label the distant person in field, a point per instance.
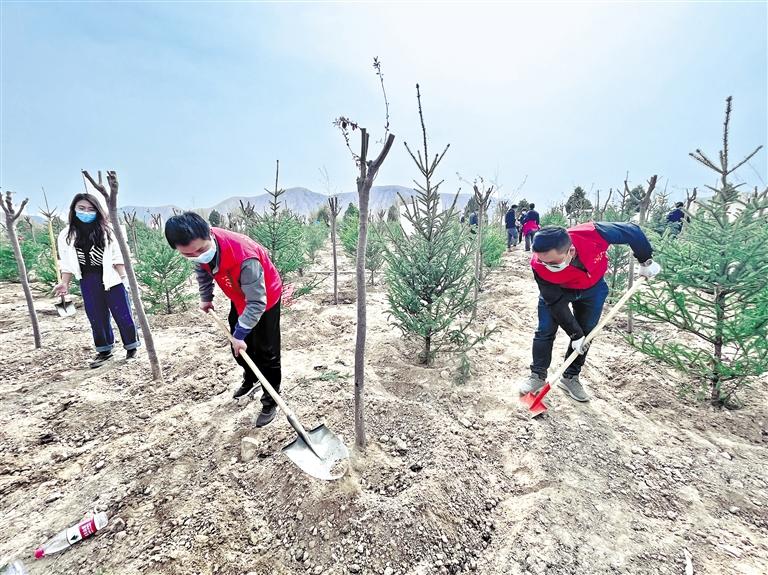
(510, 222)
(530, 226)
(244, 272)
(569, 266)
(473, 222)
(520, 224)
(88, 252)
(675, 218)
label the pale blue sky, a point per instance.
(193, 102)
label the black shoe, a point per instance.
(266, 416)
(244, 390)
(131, 353)
(101, 358)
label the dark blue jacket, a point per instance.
(473, 219)
(676, 215)
(509, 219)
(531, 215)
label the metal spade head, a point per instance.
(328, 460)
(65, 308)
(535, 403)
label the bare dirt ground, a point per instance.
(456, 477)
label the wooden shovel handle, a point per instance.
(598, 328)
(264, 383)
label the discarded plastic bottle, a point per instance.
(70, 536)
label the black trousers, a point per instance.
(263, 348)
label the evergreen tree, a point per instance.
(494, 245)
(315, 235)
(163, 275)
(578, 204)
(430, 271)
(714, 287)
(278, 230)
(215, 218)
(554, 217)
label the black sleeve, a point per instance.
(552, 294)
(626, 233)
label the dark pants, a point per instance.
(101, 306)
(529, 240)
(511, 237)
(587, 308)
(264, 349)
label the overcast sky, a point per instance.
(194, 102)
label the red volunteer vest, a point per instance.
(234, 249)
(590, 249)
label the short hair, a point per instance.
(182, 229)
(551, 238)
(533, 206)
(513, 206)
(679, 204)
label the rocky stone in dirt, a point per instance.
(54, 496)
(465, 422)
(118, 525)
(354, 568)
(248, 449)
(401, 446)
(731, 550)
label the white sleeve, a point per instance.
(64, 248)
(117, 255)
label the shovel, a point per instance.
(64, 307)
(535, 402)
(319, 452)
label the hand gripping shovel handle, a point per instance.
(599, 327)
(268, 387)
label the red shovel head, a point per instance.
(535, 403)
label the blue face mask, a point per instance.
(205, 257)
(85, 217)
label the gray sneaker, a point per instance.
(531, 384)
(573, 387)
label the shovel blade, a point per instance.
(333, 460)
(66, 309)
(535, 402)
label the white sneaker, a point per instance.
(531, 384)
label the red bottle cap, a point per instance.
(39, 553)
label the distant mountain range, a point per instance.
(299, 200)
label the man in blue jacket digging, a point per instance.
(569, 266)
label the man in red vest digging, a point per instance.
(242, 269)
(569, 266)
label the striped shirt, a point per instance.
(90, 259)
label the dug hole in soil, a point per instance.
(456, 477)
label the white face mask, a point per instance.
(207, 256)
(559, 267)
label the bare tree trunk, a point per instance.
(111, 197)
(335, 264)
(11, 217)
(482, 199)
(368, 171)
(719, 320)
